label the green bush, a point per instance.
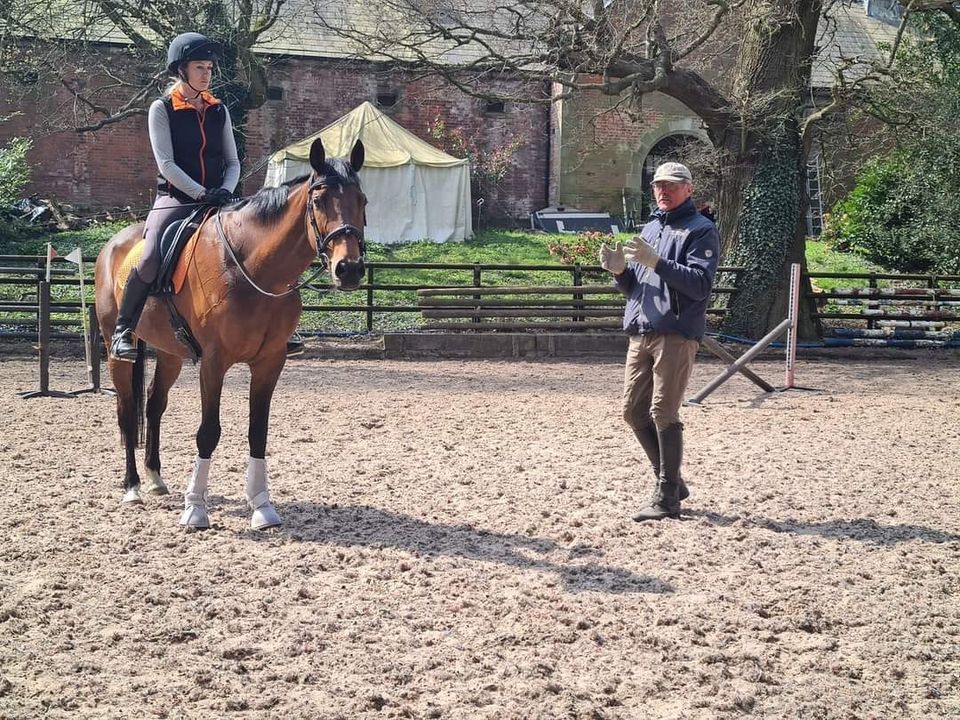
(898, 218)
(14, 175)
(14, 170)
(582, 248)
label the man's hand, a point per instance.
(640, 251)
(612, 259)
(217, 196)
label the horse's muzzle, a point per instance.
(349, 273)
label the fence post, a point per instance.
(94, 343)
(476, 284)
(875, 303)
(95, 348)
(43, 342)
(577, 282)
(369, 298)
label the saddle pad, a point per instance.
(179, 275)
(128, 264)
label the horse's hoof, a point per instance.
(155, 486)
(265, 517)
(132, 497)
(195, 517)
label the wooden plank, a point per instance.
(523, 290)
(948, 317)
(521, 312)
(506, 325)
(445, 302)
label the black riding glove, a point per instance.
(217, 196)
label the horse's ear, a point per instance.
(318, 156)
(356, 156)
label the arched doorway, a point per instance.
(687, 149)
(690, 148)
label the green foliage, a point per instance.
(14, 170)
(887, 219)
(14, 176)
(903, 211)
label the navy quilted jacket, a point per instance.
(673, 297)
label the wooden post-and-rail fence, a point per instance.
(875, 306)
(386, 301)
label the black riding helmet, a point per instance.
(190, 46)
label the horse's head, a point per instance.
(336, 212)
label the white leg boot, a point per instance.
(264, 514)
(195, 497)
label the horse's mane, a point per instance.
(269, 203)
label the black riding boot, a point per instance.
(124, 343)
(647, 436)
(295, 345)
(666, 499)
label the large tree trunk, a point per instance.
(763, 166)
(766, 189)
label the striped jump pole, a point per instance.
(793, 315)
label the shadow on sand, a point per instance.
(864, 530)
(353, 525)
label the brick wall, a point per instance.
(601, 145)
(317, 92)
(114, 166)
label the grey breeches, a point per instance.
(165, 210)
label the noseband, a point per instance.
(323, 241)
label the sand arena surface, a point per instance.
(458, 544)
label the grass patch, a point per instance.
(821, 257)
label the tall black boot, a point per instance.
(650, 442)
(666, 499)
(124, 343)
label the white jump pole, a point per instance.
(749, 355)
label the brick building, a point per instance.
(586, 152)
(114, 165)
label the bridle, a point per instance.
(322, 241)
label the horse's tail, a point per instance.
(139, 389)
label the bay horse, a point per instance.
(241, 302)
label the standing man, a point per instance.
(666, 273)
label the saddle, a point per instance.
(176, 249)
(173, 242)
(176, 243)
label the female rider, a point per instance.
(192, 140)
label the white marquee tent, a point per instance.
(414, 191)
